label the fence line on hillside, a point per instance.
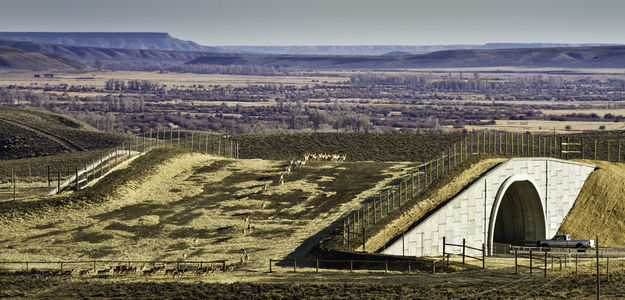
(61, 264)
(76, 177)
(383, 265)
(378, 208)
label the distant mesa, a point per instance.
(121, 40)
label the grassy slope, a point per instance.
(192, 204)
(30, 133)
(599, 208)
(401, 220)
(18, 59)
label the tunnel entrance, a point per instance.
(520, 219)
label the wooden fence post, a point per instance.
(545, 270)
(351, 265)
(597, 251)
(363, 239)
(185, 140)
(483, 256)
(595, 149)
(192, 134)
(49, 175)
(531, 261)
(607, 268)
(375, 219)
(444, 246)
(516, 260)
(317, 265)
(576, 265)
(463, 249)
(270, 265)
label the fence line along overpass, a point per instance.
(520, 201)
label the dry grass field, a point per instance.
(474, 284)
(176, 205)
(547, 127)
(195, 206)
(97, 79)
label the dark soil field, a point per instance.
(357, 146)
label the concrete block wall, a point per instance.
(468, 215)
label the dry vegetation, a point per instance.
(427, 201)
(193, 206)
(409, 101)
(599, 208)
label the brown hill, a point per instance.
(29, 133)
(562, 57)
(11, 58)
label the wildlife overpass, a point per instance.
(518, 202)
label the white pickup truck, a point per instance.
(564, 241)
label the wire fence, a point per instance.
(394, 264)
(380, 207)
(75, 177)
(122, 267)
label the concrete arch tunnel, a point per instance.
(517, 216)
(518, 202)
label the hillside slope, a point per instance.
(121, 40)
(91, 54)
(599, 208)
(12, 58)
(29, 133)
(386, 49)
(567, 57)
(169, 204)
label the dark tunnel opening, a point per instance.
(520, 219)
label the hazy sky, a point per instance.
(331, 22)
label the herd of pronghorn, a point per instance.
(180, 271)
(128, 270)
(300, 163)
